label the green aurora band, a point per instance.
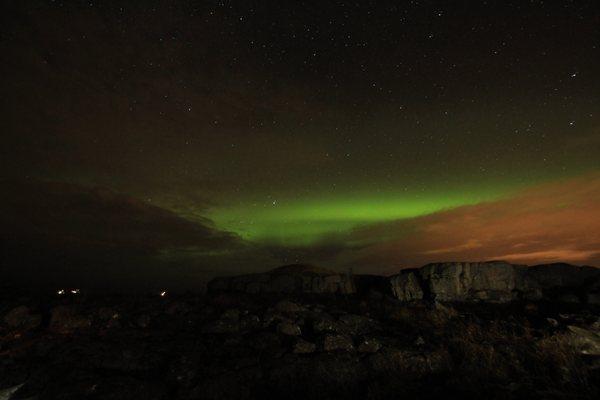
(302, 222)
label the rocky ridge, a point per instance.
(491, 281)
(497, 282)
(295, 278)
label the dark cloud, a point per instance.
(62, 229)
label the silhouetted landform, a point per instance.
(499, 282)
(493, 281)
(295, 278)
(314, 338)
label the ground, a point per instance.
(240, 346)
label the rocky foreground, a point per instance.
(321, 337)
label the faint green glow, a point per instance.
(305, 221)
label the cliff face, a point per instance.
(497, 282)
(493, 282)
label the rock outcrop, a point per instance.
(296, 278)
(495, 282)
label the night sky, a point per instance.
(173, 141)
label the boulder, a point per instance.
(66, 319)
(229, 322)
(304, 347)
(22, 318)
(369, 346)
(357, 324)
(415, 363)
(289, 329)
(337, 342)
(286, 306)
(584, 341)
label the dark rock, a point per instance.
(221, 326)
(230, 385)
(324, 323)
(143, 321)
(336, 375)
(250, 322)
(289, 307)
(268, 343)
(288, 328)
(569, 298)
(66, 319)
(22, 318)
(406, 286)
(420, 341)
(304, 347)
(369, 346)
(357, 324)
(337, 342)
(107, 313)
(409, 362)
(585, 341)
(233, 314)
(493, 282)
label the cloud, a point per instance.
(55, 230)
(556, 221)
(83, 216)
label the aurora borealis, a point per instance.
(241, 135)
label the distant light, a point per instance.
(163, 293)
(60, 292)
(75, 291)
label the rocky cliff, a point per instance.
(497, 281)
(492, 281)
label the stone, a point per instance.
(65, 319)
(250, 322)
(6, 394)
(337, 343)
(289, 329)
(420, 341)
(221, 326)
(417, 363)
(106, 313)
(357, 324)
(22, 318)
(233, 314)
(304, 347)
(585, 341)
(324, 324)
(552, 322)
(406, 286)
(593, 298)
(143, 321)
(569, 298)
(286, 306)
(369, 346)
